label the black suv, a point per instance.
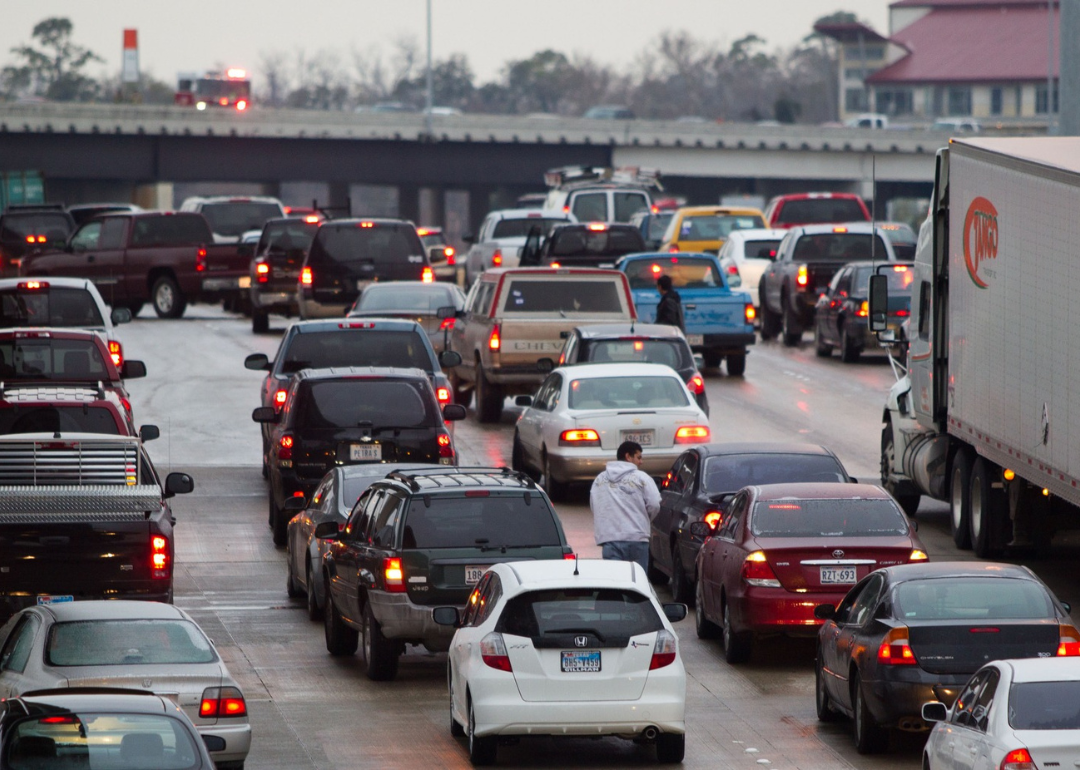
(31, 228)
(419, 540)
(348, 254)
(275, 267)
(586, 244)
(351, 415)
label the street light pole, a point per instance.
(430, 86)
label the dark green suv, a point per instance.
(422, 539)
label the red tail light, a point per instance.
(895, 649)
(692, 434)
(262, 272)
(1018, 759)
(451, 255)
(494, 342)
(673, 248)
(241, 105)
(579, 437)
(750, 313)
(733, 269)
(569, 556)
(159, 557)
(393, 576)
(597, 227)
(116, 352)
(697, 385)
(443, 394)
(757, 572)
(32, 286)
(864, 310)
(285, 447)
(803, 276)
(496, 258)
(714, 518)
(665, 650)
(279, 398)
(200, 260)
(222, 702)
(1068, 641)
(447, 324)
(427, 276)
(493, 652)
(305, 276)
(446, 446)
(312, 219)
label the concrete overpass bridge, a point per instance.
(390, 164)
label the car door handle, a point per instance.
(974, 749)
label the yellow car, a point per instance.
(705, 228)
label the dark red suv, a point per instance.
(815, 208)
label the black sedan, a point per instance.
(704, 479)
(915, 633)
(840, 319)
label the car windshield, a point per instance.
(294, 235)
(972, 598)
(381, 403)
(674, 353)
(488, 522)
(357, 347)
(685, 272)
(608, 242)
(127, 643)
(827, 518)
(57, 419)
(421, 299)
(627, 393)
(607, 613)
(562, 296)
(838, 247)
(716, 227)
(17, 227)
(1045, 705)
(57, 306)
(519, 228)
(730, 473)
(899, 278)
(101, 740)
(37, 359)
(375, 242)
(234, 218)
(821, 211)
(762, 249)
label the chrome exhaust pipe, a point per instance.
(650, 733)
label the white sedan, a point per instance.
(750, 252)
(1013, 715)
(581, 414)
(566, 648)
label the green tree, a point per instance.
(52, 65)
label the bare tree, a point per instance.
(274, 67)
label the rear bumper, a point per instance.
(273, 300)
(401, 619)
(779, 610)
(586, 464)
(231, 283)
(237, 740)
(523, 378)
(725, 343)
(902, 693)
(309, 308)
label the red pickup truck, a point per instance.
(166, 258)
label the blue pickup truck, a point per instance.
(719, 321)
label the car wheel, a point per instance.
(705, 628)
(291, 586)
(988, 510)
(260, 321)
(557, 490)
(167, 299)
(736, 364)
(736, 645)
(489, 401)
(849, 352)
(770, 322)
(711, 358)
(462, 395)
(340, 639)
(870, 737)
(670, 748)
(682, 589)
(909, 502)
(380, 654)
(456, 730)
(821, 348)
(960, 500)
(482, 751)
(278, 525)
(821, 695)
(314, 611)
(792, 329)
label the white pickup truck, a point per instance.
(501, 236)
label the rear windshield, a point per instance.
(627, 393)
(489, 522)
(828, 518)
(899, 279)
(58, 419)
(610, 242)
(520, 228)
(673, 353)
(838, 247)
(565, 296)
(685, 272)
(1044, 705)
(234, 218)
(380, 244)
(821, 211)
(730, 473)
(15, 227)
(357, 347)
(171, 230)
(605, 612)
(99, 739)
(294, 235)
(716, 227)
(382, 403)
(49, 307)
(972, 598)
(765, 249)
(423, 299)
(127, 642)
(52, 359)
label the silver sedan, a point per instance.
(426, 303)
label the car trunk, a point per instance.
(284, 270)
(183, 689)
(539, 669)
(524, 341)
(830, 565)
(226, 260)
(316, 450)
(438, 576)
(819, 275)
(1052, 747)
(961, 647)
(652, 428)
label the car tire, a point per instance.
(341, 640)
(291, 586)
(278, 526)
(166, 297)
(821, 348)
(670, 748)
(792, 331)
(736, 364)
(379, 653)
(960, 500)
(260, 321)
(712, 359)
(849, 352)
(909, 502)
(556, 490)
(822, 702)
(770, 321)
(489, 400)
(704, 627)
(682, 589)
(482, 751)
(870, 737)
(989, 508)
(314, 611)
(737, 646)
(462, 395)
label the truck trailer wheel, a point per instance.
(489, 399)
(960, 499)
(736, 364)
(988, 510)
(167, 299)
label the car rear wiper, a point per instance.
(593, 631)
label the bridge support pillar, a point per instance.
(156, 195)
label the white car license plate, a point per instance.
(643, 437)
(584, 662)
(365, 452)
(47, 599)
(834, 575)
(473, 574)
(244, 282)
(695, 339)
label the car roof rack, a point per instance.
(566, 177)
(409, 478)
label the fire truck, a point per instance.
(230, 89)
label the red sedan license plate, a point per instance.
(838, 575)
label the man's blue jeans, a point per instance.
(625, 550)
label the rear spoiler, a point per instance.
(76, 460)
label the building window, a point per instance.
(855, 100)
(856, 73)
(875, 52)
(996, 98)
(898, 101)
(1040, 98)
(1019, 101)
(959, 100)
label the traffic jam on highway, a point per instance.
(597, 339)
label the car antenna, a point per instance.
(575, 564)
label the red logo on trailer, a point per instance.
(980, 239)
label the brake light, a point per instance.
(494, 343)
(750, 312)
(447, 324)
(200, 260)
(446, 446)
(159, 556)
(241, 105)
(366, 225)
(895, 649)
(262, 272)
(1068, 642)
(285, 447)
(864, 310)
(279, 398)
(569, 556)
(449, 251)
(1018, 759)
(427, 276)
(655, 269)
(673, 248)
(393, 576)
(566, 209)
(757, 572)
(116, 352)
(654, 209)
(579, 437)
(597, 227)
(59, 720)
(732, 269)
(665, 650)
(839, 229)
(556, 265)
(312, 219)
(692, 434)
(305, 276)
(802, 278)
(223, 101)
(917, 555)
(32, 286)
(697, 385)
(714, 518)
(493, 652)
(443, 394)
(902, 313)
(496, 258)
(222, 702)
(422, 231)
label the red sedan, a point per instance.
(783, 549)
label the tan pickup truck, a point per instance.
(515, 318)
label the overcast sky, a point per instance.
(192, 35)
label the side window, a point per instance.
(569, 350)
(736, 513)
(472, 606)
(113, 230)
(688, 472)
(556, 392)
(384, 521)
(472, 298)
(674, 482)
(924, 310)
(590, 207)
(489, 597)
(16, 651)
(543, 393)
(483, 302)
(320, 493)
(356, 526)
(965, 702)
(863, 607)
(629, 203)
(843, 283)
(86, 237)
(984, 699)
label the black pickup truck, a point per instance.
(275, 267)
(83, 516)
(584, 244)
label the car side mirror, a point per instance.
(453, 412)
(675, 612)
(935, 711)
(545, 365)
(564, 335)
(450, 359)
(853, 480)
(699, 361)
(446, 616)
(149, 432)
(701, 529)
(294, 504)
(120, 315)
(879, 303)
(825, 611)
(1067, 607)
(448, 311)
(258, 362)
(178, 484)
(264, 414)
(523, 401)
(327, 530)
(213, 742)
(132, 370)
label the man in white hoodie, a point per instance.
(624, 501)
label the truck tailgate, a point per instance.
(526, 341)
(705, 311)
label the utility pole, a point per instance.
(430, 82)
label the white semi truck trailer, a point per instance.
(987, 414)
